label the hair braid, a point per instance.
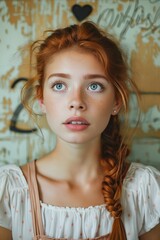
(114, 154)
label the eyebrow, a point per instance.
(93, 76)
(86, 77)
(63, 75)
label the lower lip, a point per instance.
(76, 127)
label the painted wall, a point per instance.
(136, 23)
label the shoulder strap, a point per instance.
(34, 199)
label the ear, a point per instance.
(42, 105)
(40, 99)
(117, 106)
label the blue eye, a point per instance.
(58, 87)
(95, 87)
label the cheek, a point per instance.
(54, 112)
(105, 110)
(105, 107)
(50, 103)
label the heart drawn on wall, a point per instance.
(81, 12)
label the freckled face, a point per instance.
(77, 98)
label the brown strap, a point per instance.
(35, 207)
(34, 199)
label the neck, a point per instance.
(77, 161)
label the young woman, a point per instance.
(85, 188)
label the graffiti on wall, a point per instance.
(135, 23)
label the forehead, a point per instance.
(73, 59)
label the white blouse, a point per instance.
(140, 200)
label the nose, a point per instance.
(77, 101)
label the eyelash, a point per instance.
(56, 83)
(98, 84)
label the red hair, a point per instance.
(88, 37)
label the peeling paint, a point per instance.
(137, 26)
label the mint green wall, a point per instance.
(135, 23)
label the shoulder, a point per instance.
(11, 176)
(140, 175)
(141, 198)
(13, 196)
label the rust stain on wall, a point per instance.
(4, 78)
(25, 21)
(142, 60)
(19, 11)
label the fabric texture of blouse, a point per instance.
(140, 200)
